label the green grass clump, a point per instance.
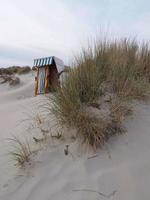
(124, 66)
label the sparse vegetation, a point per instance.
(21, 151)
(23, 70)
(8, 74)
(118, 69)
(11, 79)
(14, 70)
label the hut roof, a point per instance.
(47, 61)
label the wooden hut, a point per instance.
(48, 71)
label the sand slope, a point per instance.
(120, 171)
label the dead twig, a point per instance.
(66, 150)
(100, 193)
(92, 156)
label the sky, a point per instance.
(39, 28)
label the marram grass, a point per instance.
(124, 66)
(21, 151)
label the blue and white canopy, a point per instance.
(42, 62)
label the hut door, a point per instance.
(41, 81)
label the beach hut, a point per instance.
(48, 71)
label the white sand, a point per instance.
(121, 169)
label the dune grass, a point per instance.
(21, 151)
(119, 67)
(15, 70)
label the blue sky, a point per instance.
(39, 28)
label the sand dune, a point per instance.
(25, 89)
(119, 171)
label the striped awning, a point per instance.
(40, 62)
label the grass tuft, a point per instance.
(122, 66)
(21, 151)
